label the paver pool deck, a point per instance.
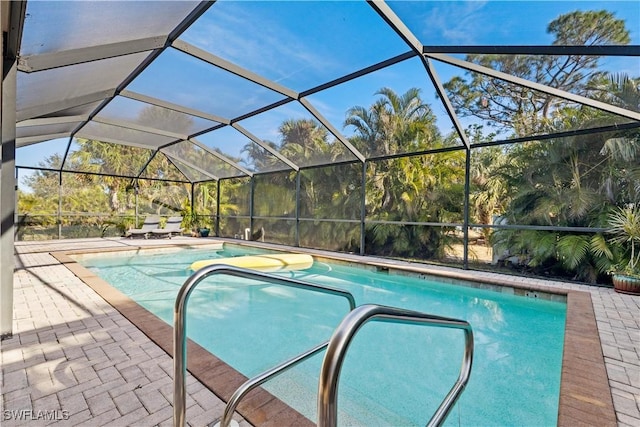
(76, 360)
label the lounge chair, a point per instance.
(172, 227)
(150, 223)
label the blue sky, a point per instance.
(505, 22)
(301, 44)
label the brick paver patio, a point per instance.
(75, 360)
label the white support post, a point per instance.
(7, 195)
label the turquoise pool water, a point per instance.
(394, 375)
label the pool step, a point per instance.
(298, 388)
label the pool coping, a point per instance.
(585, 395)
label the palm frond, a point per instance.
(572, 250)
(599, 246)
(543, 245)
(621, 149)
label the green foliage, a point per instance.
(588, 28)
(426, 188)
(624, 225)
(572, 250)
(488, 186)
(568, 182)
(393, 124)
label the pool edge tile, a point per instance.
(589, 393)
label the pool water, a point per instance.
(394, 375)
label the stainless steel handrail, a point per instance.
(341, 338)
(180, 323)
(260, 379)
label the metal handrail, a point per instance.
(260, 379)
(341, 338)
(180, 326)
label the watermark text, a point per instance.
(32, 415)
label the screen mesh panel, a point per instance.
(97, 23)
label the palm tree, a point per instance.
(489, 190)
(304, 142)
(406, 188)
(393, 124)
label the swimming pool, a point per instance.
(516, 373)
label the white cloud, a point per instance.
(458, 23)
(271, 50)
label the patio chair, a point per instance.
(172, 227)
(150, 223)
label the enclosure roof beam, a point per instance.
(189, 164)
(233, 68)
(396, 24)
(306, 104)
(470, 66)
(221, 157)
(151, 157)
(175, 107)
(265, 146)
(433, 75)
(28, 140)
(564, 134)
(86, 135)
(53, 107)
(180, 167)
(44, 121)
(560, 50)
(47, 61)
(134, 126)
(362, 72)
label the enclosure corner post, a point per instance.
(363, 207)
(298, 208)
(218, 208)
(467, 178)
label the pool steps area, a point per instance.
(336, 347)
